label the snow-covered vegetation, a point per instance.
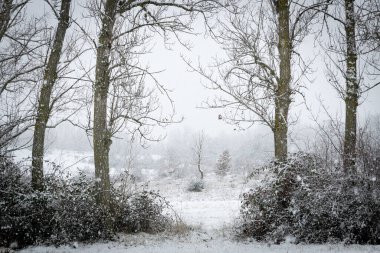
(313, 203)
(211, 220)
(103, 150)
(305, 200)
(66, 210)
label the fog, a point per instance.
(188, 93)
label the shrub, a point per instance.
(312, 204)
(67, 211)
(144, 212)
(196, 185)
(20, 210)
(77, 216)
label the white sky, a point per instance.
(188, 92)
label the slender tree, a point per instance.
(198, 150)
(263, 69)
(352, 50)
(352, 87)
(22, 39)
(44, 108)
(160, 17)
(283, 90)
(101, 134)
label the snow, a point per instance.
(197, 242)
(210, 215)
(156, 157)
(71, 161)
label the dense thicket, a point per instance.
(311, 202)
(66, 210)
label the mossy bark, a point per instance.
(43, 110)
(352, 89)
(282, 97)
(101, 133)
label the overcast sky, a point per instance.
(188, 92)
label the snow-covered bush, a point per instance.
(144, 212)
(223, 165)
(77, 216)
(196, 185)
(312, 203)
(66, 211)
(24, 214)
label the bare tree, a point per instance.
(263, 69)
(10, 12)
(44, 103)
(352, 87)
(121, 23)
(369, 24)
(198, 150)
(22, 40)
(283, 89)
(352, 52)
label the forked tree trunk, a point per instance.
(352, 89)
(101, 134)
(282, 100)
(43, 110)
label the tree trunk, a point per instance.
(101, 134)
(5, 16)
(352, 89)
(200, 170)
(43, 111)
(282, 100)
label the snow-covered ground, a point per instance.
(216, 207)
(210, 213)
(195, 242)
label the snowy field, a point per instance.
(211, 215)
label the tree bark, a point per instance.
(101, 134)
(5, 16)
(352, 89)
(43, 110)
(282, 100)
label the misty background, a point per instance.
(173, 153)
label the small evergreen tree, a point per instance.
(223, 164)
